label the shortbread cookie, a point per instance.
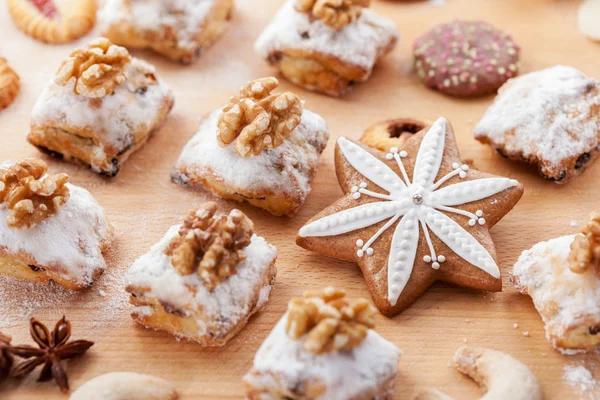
(9, 84)
(49, 229)
(465, 58)
(53, 21)
(549, 118)
(125, 386)
(178, 29)
(205, 278)
(263, 148)
(325, 47)
(413, 216)
(392, 133)
(500, 375)
(102, 106)
(324, 348)
(565, 292)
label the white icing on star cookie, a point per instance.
(417, 204)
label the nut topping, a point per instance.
(257, 119)
(330, 321)
(334, 13)
(585, 250)
(30, 194)
(97, 69)
(211, 244)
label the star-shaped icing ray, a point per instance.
(413, 216)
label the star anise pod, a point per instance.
(53, 347)
(6, 357)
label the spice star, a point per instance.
(441, 210)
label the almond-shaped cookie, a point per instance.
(412, 216)
(9, 84)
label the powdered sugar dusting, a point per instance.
(360, 43)
(282, 170)
(546, 115)
(346, 375)
(231, 300)
(580, 378)
(543, 272)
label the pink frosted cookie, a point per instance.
(465, 58)
(549, 118)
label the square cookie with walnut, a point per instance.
(49, 229)
(326, 46)
(263, 148)
(101, 106)
(176, 29)
(205, 278)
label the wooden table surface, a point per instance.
(142, 203)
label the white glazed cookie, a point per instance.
(500, 375)
(412, 216)
(177, 29)
(549, 118)
(187, 303)
(568, 302)
(277, 179)
(321, 58)
(65, 245)
(125, 386)
(324, 358)
(99, 122)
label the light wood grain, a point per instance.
(143, 203)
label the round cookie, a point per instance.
(53, 21)
(465, 58)
(9, 84)
(392, 133)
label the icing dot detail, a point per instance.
(435, 265)
(360, 243)
(427, 259)
(370, 251)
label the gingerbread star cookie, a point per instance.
(413, 216)
(53, 21)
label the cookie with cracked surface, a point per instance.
(412, 216)
(465, 58)
(53, 21)
(549, 118)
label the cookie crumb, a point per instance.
(574, 223)
(526, 334)
(465, 340)
(467, 320)
(515, 325)
(580, 378)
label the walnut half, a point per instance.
(334, 13)
(30, 194)
(257, 119)
(211, 244)
(331, 321)
(97, 69)
(585, 250)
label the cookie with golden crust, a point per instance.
(548, 118)
(413, 216)
(55, 231)
(53, 21)
(9, 84)
(209, 296)
(178, 29)
(101, 106)
(235, 157)
(316, 56)
(392, 133)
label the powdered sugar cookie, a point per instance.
(562, 276)
(205, 278)
(324, 348)
(9, 84)
(392, 133)
(549, 118)
(49, 229)
(263, 147)
(53, 21)
(465, 58)
(326, 46)
(412, 216)
(177, 29)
